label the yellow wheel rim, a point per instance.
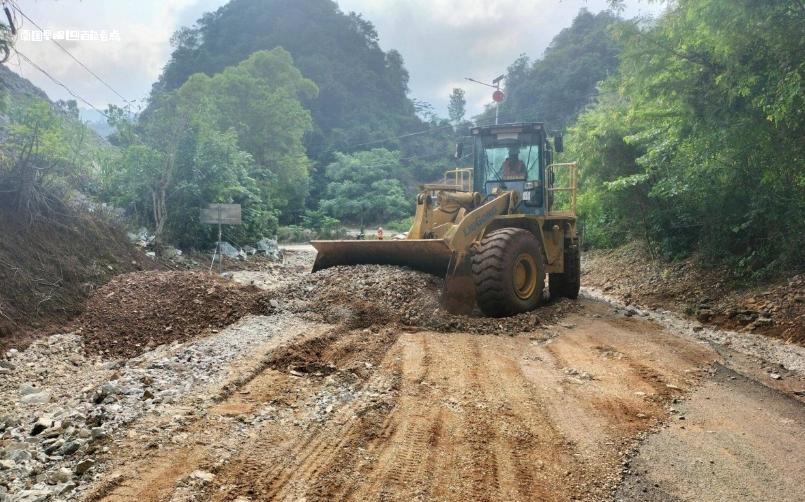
(525, 276)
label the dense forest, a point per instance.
(688, 129)
(696, 143)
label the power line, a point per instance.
(57, 82)
(17, 8)
(385, 140)
(417, 133)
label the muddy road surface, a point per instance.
(584, 401)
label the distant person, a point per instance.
(380, 233)
(513, 167)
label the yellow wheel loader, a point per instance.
(493, 231)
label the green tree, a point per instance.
(361, 187)
(45, 155)
(457, 106)
(235, 137)
(362, 88)
(701, 139)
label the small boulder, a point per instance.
(227, 249)
(41, 424)
(63, 475)
(70, 447)
(203, 476)
(84, 466)
(270, 248)
(27, 389)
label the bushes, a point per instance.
(696, 145)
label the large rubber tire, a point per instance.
(508, 269)
(567, 283)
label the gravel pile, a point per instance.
(60, 409)
(136, 312)
(369, 295)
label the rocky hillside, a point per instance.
(14, 85)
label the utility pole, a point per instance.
(498, 96)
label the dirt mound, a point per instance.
(138, 311)
(710, 295)
(49, 265)
(372, 295)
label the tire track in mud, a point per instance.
(240, 402)
(288, 462)
(445, 416)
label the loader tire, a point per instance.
(567, 283)
(508, 269)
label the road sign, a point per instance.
(221, 214)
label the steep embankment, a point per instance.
(49, 266)
(775, 309)
(51, 259)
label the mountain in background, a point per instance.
(555, 88)
(363, 90)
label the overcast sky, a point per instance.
(442, 41)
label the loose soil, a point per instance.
(366, 390)
(49, 265)
(709, 295)
(136, 312)
(356, 414)
(365, 295)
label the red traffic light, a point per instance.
(498, 96)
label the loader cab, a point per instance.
(512, 157)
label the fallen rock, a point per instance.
(41, 424)
(270, 248)
(203, 476)
(70, 447)
(62, 475)
(84, 466)
(33, 496)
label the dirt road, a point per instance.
(353, 385)
(561, 414)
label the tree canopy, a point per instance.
(235, 137)
(362, 188)
(696, 144)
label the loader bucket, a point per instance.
(432, 256)
(427, 255)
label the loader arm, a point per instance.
(467, 231)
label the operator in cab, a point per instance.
(513, 168)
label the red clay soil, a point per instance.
(776, 309)
(138, 311)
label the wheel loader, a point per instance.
(493, 231)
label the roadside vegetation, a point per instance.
(687, 129)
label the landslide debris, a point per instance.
(373, 295)
(708, 295)
(138, 311)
